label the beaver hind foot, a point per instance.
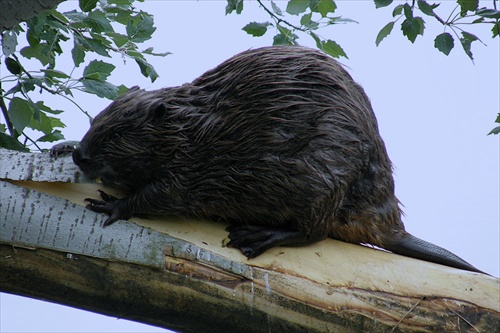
(254, 240)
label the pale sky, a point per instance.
(434, 113)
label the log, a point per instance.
(178, 274)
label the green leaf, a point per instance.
(13, 66)
(56, 24)
(25, 84)
(306, 19)
(469, 36)
(276, 9)
(87, 5)
(140, 30)
(76, 18)
(284, 37)
(55, 73)
(45, 108)
(296, 7)
(100, 88)
(59, 16)
(146, 69)
(149, 50)
(384, 32)
(120, 15)
(9, 42)
(426, 8)
(234, 5)
(98, 22)
(412, 28)
(340, 19)
(382, 3)
(78, 53)
(444, 43)
(488, 13)
(29, 84)
(122, 89)
(496, 130)
(8, 142)
(256, 29)
(92, 45)
(20, 113)
(397, 10)
(36, 52)
(36, 114)
(466, 44)
(118, 39)
(316, 39)
(323, 7)
(408, 11)
(45, 124)
(103, 39)
(97, 47)
(56, 135)
(103, 69)
(496, 29)
(467, 5)
(332, 48)
(121, 3)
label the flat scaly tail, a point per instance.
(411, 246)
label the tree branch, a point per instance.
(278, 19)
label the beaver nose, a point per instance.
(80, 158)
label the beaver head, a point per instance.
(123, 141)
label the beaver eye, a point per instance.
(115, 136)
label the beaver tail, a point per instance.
(411, 246)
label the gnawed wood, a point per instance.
(178, 273)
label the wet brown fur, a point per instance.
(280, 137)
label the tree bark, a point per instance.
(13, 12)
(178, 274)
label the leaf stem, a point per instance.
(27, 138)
(6, 113)
(28, 74)
(449, 17)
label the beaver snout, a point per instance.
(81, 158)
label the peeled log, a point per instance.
(178, 274)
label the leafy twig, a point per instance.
(278, 19)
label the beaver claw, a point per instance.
(63, 148)
(254, 240)
(116, 208)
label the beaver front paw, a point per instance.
(63, 148)
(118, 209)
(254, 240)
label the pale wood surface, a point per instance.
(327, 287)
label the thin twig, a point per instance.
(32, 141)
(6, 114)
(407, 313)
(459, 316)
(279, 20)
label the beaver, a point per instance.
(279, 141)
